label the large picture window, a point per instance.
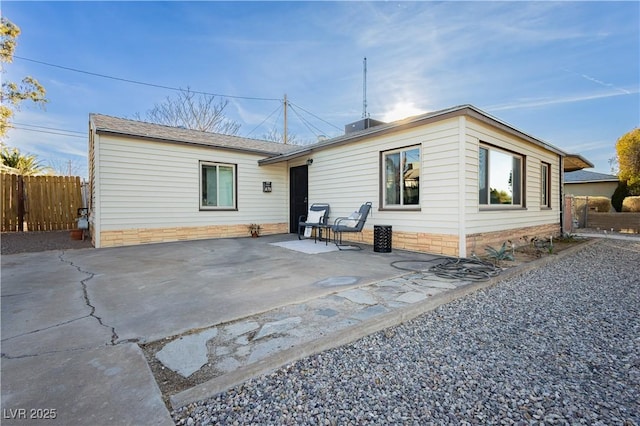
(401, 177)
(500, 180)
(217, 186)
(545, 187)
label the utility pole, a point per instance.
(285, 119)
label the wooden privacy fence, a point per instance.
(41, 203)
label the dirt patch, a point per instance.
(168, 380)
(529, 251)
(30, 242)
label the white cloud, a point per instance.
(534, 103)
(34, 135)
(589, 146)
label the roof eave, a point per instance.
(574, 162)
(416, 121)
(593, 181)
(488, 119)
(182, 142)
(284, 157)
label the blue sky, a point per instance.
(564, 72)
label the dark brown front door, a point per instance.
(298, 187)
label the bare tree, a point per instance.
(194, 111)
(62, 167)
(274, 135)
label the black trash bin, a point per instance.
(382, 238)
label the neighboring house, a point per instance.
(449, 182)
(585, 183)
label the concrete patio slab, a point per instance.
(39, 291)
(168, 289)
(101, 386)
(70, 319)
(73, 335)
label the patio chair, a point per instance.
(317, 217)
(354, 223)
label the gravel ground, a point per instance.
(558, 345)
(28, 242)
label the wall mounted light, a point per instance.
(309, 161)
(266, 186)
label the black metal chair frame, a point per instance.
(322, 222)
(339, 228)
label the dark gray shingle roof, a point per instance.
(105, 124)
(583, 176)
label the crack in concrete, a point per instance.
(43, 329)
(5, 356)
(87, 300)
(16, 294)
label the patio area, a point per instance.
(78, 310)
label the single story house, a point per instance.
(592, 184)
(448, 182)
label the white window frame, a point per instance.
(486, 202)
(383, 173)
(208, 164)
(545, 185)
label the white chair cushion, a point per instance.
(314, 216)
(352, 220)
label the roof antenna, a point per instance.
(364, 89)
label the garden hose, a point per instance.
(472, 269)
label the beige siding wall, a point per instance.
(349, 175)
(149, 191)
(145, 185)
(484, 219)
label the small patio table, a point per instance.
(318, 235)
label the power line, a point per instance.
(278, 118)
(315, 116)
(50, 128)
(142, 83)
(306, 122)
(174, 89)
(273, 112)
(50, 133)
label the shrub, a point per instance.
(501, 254)
(621, 192)
(631, 204)
(599, 204)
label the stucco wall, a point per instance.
(593, 189)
